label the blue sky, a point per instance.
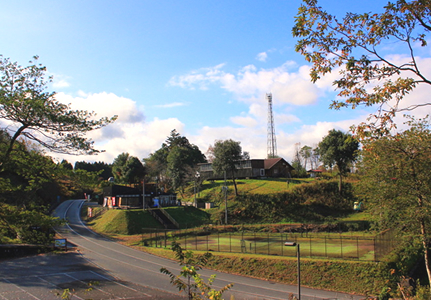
(200, 67)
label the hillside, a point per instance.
(276, 201)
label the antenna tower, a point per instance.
(272, 143)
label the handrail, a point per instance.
(170, 217)
(152, 212)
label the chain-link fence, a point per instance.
(341, 246)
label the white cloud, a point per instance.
(130, 133)
(244, 121)
(170, 105)
(201, 78)
(59, 81)
(262, 56)
(250, 84)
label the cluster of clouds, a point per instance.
(135, 134)
(289, 84)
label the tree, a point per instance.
(305, 153)
(175, 161)
(338, 149)
(355, 46)
(36, 114)
(133, 171)
(227, 154)
(127, 169)
(191, 264)
(397, 182)
(118, 166)
(315, 158)
(98, 166)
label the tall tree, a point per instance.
(37, 115)
(175, 161)
(305, 153)
(133, 170)
(397, 182)
(227, 154)
(118, 166)
(356, 45)
(338, 149)
(127, 169)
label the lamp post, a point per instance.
(225, 198)
(197, 176)
(293, 244)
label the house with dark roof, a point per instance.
(251, 168)
(277, 167)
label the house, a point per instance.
(277, 167)
(315, 173)
(251, 168)
(119, 196)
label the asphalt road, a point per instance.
(103, 269)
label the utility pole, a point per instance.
(143, 194)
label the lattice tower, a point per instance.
(271, 143)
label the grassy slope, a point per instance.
(255, 186)
(188, 216)
(123, 222)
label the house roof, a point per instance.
(270, 162)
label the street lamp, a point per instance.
(225, 198)
(293, 244)
(197, 176)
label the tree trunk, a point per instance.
(234, 184)
(426, 245)
(425, 241)
(5, 157)
(340, 182)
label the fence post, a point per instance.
(375, 250)
(357, 246)
(268, 242)
(326, 247)
(255, 242)
(282, 244)
(218, 240)
(341, 242)
(310, 245)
